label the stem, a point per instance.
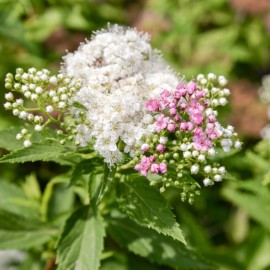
(50, 265)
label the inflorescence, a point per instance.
(117, 95)
(42, 100)
(187, 134)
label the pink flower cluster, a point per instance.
(186, 110)
(148, 163)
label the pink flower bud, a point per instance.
(145, 147)
(171, 127)
(177, 117)
(163, 167)
(160, 148)
(183, 126)
(173, 111)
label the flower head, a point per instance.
(120, 72)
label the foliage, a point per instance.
(113, 219)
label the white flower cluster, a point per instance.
(119, 72)
(45, 98)
(264, 93)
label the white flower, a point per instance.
(222, 170)
(226, 144)
(119, 73)
(207, 169)
(27, 143)
(194, 169)
(163, 140)
(218, 177)
(207, 182)
(237, 144)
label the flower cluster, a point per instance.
(264, 93)
(187, 133)
(39, 98)
(119, 72)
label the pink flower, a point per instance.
(189, 126)
(181, 86)
(161, 122)
(177, 117)
(164, 94)
(201, 142)
(197, 131)
(211, 118)
(152, 105)
(183, 106)
(145, 147)
(196, 118)
(173, 111)
(183, 126)
(200, 94)
(138, 167)
(180, 92)
(194, 106)
(171, 127)
(160, 148)
(152, 158)
(155, 168)
(163, 167)
(191, 87)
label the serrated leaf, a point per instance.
(154, 246)
(17, 231)
(81, 242)
(252, 197)
(43, 152)
(147, 206)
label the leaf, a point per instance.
(44, 152)
(13, 199)
(8, 139)
(252, 197)
(18, 232)
(152, 245)
(257, 163)
(86, 166)
(57, 197)
(147, 206)
(79, 105)
(81, 242)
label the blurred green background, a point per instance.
(228, 37)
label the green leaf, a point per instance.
(57, 197)
(258, 164)
(8, 139)
(79, 105)
(147, 206)
(18, 232)
(152, 245)
(13, 199)
(81, 242)
(86, 166)
(44, 152)
(252, 197)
